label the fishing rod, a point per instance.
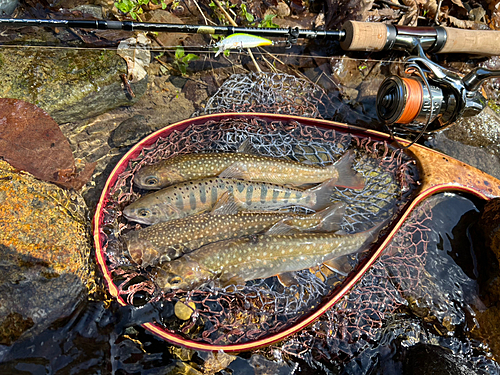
(430, 99)
(354, 36)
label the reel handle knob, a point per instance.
(473, 80)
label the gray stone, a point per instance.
(7, 7)
(129, 132)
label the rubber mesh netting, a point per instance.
(242, 313)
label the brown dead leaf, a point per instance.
(135, 52)
(458, 2)
(32, 141)
(429, 6)
(462, 24)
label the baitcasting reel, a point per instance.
(431, 99)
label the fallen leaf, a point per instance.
(462, 24)
(458, 2)
(30, 140)
(135, 51)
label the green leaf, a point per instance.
(125, 6)
(179, 53)
(226, 52)
(250, 17)
(190, 57)
(267, 22)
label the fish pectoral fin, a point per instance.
(227, 205)
(231, 280)
(287, 279)
(281, 227)
(329, 218)
(236, 170)
(307, 162)
(247, 147)
(339, 265)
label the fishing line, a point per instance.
(187, 49)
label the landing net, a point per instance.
(238, 314)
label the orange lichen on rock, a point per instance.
(43, 221)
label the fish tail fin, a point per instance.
(371, 235)
(347, 176)
(329, 218)
(322, 193)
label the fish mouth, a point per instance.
(129, 216)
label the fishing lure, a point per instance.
(240, 41)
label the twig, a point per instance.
(272, 55)
(273, 68)
(436, 17)
(231, 21)
(199, 9)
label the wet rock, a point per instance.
(162, 105)
(424, 359)
(7, 7)
(487, 243)
(178, 81)
(69, 84)
(44, 254)
(93, 10)
(129, 132)
(196, 92)
(473, 140)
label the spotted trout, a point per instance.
(239, 260)
(246, 166)
(167, 241)
(192, 197)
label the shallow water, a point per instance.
(432, 320)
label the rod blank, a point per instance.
(175, 28)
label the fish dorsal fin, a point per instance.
(236, 170)
(247, 147)
(287, 279)
(281, 228)
(330, 218)
(226, 205)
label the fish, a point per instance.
(193, 197)
(164, 242)
(240, 41)
(246, 165)
(236, 261)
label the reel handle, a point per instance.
(375, 36)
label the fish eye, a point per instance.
(175, 280)
(143, 212)
(151, 180)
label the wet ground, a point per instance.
(447, 317)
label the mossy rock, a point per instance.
(69, 84)
(44, 253)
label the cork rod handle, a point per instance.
(481, 42)
(364, 36)
(372, 36)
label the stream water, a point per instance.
(434, 327)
